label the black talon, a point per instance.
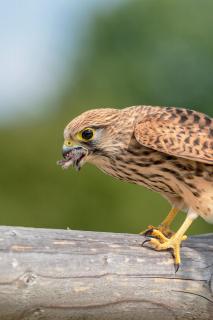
(142, 244)
(177, 267)
(148, 232)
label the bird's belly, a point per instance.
(181, 179)
(209, 216)
(204, 204)
(209, 219)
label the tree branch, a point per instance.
(63, 274)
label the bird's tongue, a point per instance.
(73, 158)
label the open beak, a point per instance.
(73, 156)
(66, 150)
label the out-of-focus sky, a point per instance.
(36, 38)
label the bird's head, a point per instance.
(93, 135)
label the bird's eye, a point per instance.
(87, 134)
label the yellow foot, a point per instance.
(161, 228)
(160, 242)
(164, 226)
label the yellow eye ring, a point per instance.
(86, 134)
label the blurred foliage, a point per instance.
(143, 52)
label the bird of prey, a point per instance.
(166, 149)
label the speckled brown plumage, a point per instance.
(165, 149)
(181, 132)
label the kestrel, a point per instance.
(166, 149)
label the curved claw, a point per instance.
(148, 232)
(177, 265)
(165, 231)
(147, 240)
(149, 228)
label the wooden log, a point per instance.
(63, 274)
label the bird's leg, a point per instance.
(163, 229)
(174, 242)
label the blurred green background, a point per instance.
(120, 54)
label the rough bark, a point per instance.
(63, 274)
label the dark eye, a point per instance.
(87, 134)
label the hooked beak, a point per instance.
(73, 156)
(66, 150)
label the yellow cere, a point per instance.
(69, 143)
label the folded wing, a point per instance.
(179, 132)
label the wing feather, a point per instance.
(179, 132)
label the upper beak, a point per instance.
(66, 150)
(75, 150)
(73, 155)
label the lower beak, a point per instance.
(73, 156)
(67, 150)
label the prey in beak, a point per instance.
(73, 156)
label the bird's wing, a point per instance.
(179, 132)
